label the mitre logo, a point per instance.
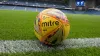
(50, 23)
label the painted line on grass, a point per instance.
(13, 7)
(11, 46)
(25, 8)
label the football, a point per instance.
(51, 26)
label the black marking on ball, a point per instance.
(54, 41)
(35, 22)
(38, 19)
(49, 36)
(57, 17)
(44, 29)
(36, 31)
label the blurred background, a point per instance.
(67, 6)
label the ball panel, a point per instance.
(66, 28)
(55, 37)
(48, 34)
(37, 35)
(51, 26)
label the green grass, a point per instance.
(92, 51)
(16, 25)
(84, 26)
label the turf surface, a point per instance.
(16, 25)
(91, 51)
(84, 26)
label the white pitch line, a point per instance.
(25, 8)
(10, 46)
(13, 8)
